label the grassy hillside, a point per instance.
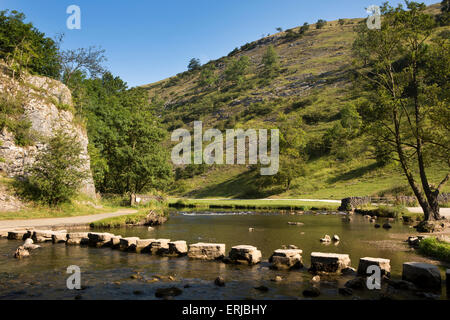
(313, 86)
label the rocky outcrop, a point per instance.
(423, 275)
(46, 103)
(286, 259)
(329, 262)
(206, 251)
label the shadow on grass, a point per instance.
(240, 186)
(353, 174)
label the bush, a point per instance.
(320, 24)
(435, 248)
(57, 172)
(390, 212)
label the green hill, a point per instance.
(310, 90)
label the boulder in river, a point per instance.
(387, 225)
(329, 262)
(206, 251)
(29, 245)
(423, 275)
(286, 259)
(178, 248)
(219, 281)
(114, 243)
(153, 219)
(336, 238)
(97, 239)
(384, 264)
(160, 246)
(59, 237)
(244, 254)
(21, 252)
(326, 238)
(45, 235)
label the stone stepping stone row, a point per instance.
(422, 275)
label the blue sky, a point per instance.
(149, 40)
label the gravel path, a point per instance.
(61, 222)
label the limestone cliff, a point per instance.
(46, 104)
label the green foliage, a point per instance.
(432, 247)
(11, 117)
(444, 18)
(271, 65)
(405, 76)
(320, 24)
(57, 172)
(25, 48)
(126, 137)
(208, 77)
(194, 64)
(237, 69)
(341, 22)
(304, 28)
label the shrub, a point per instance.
(57, 172)
(434, 248)
(320, 24)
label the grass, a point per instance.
(252, 204)
(64, 210)
(434, 248)
(121, 221)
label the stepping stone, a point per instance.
(206, 251)
(60, 237)
(423, 275)
(142, 246)
(384, 264)
(178, 248)
(286, 259)
(244, 254)
(74, 238)
(329, 262)
(160, 246)
(126, 243)
(18, 235)
(114, 243)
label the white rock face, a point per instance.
(329, 262)
(286, 259)
(206, 251)
(384, 264)
(423, 275)
(42, 96)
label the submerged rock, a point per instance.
(219, 281)
(311, 292)
(29, 245)
(262, 288)
(168, 292)
(357, 283)
(326, 238)
(387, 225)
(21, 252)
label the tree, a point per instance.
(279, 29)
(271, 65)
(25, 48)
(304, 28)
(320, 24)
(58, 171)
(87, 61)
(194, 64)
(341, 22)
(406, 79)
(444, 17)
(237, 69)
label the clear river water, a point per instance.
(111, 274)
